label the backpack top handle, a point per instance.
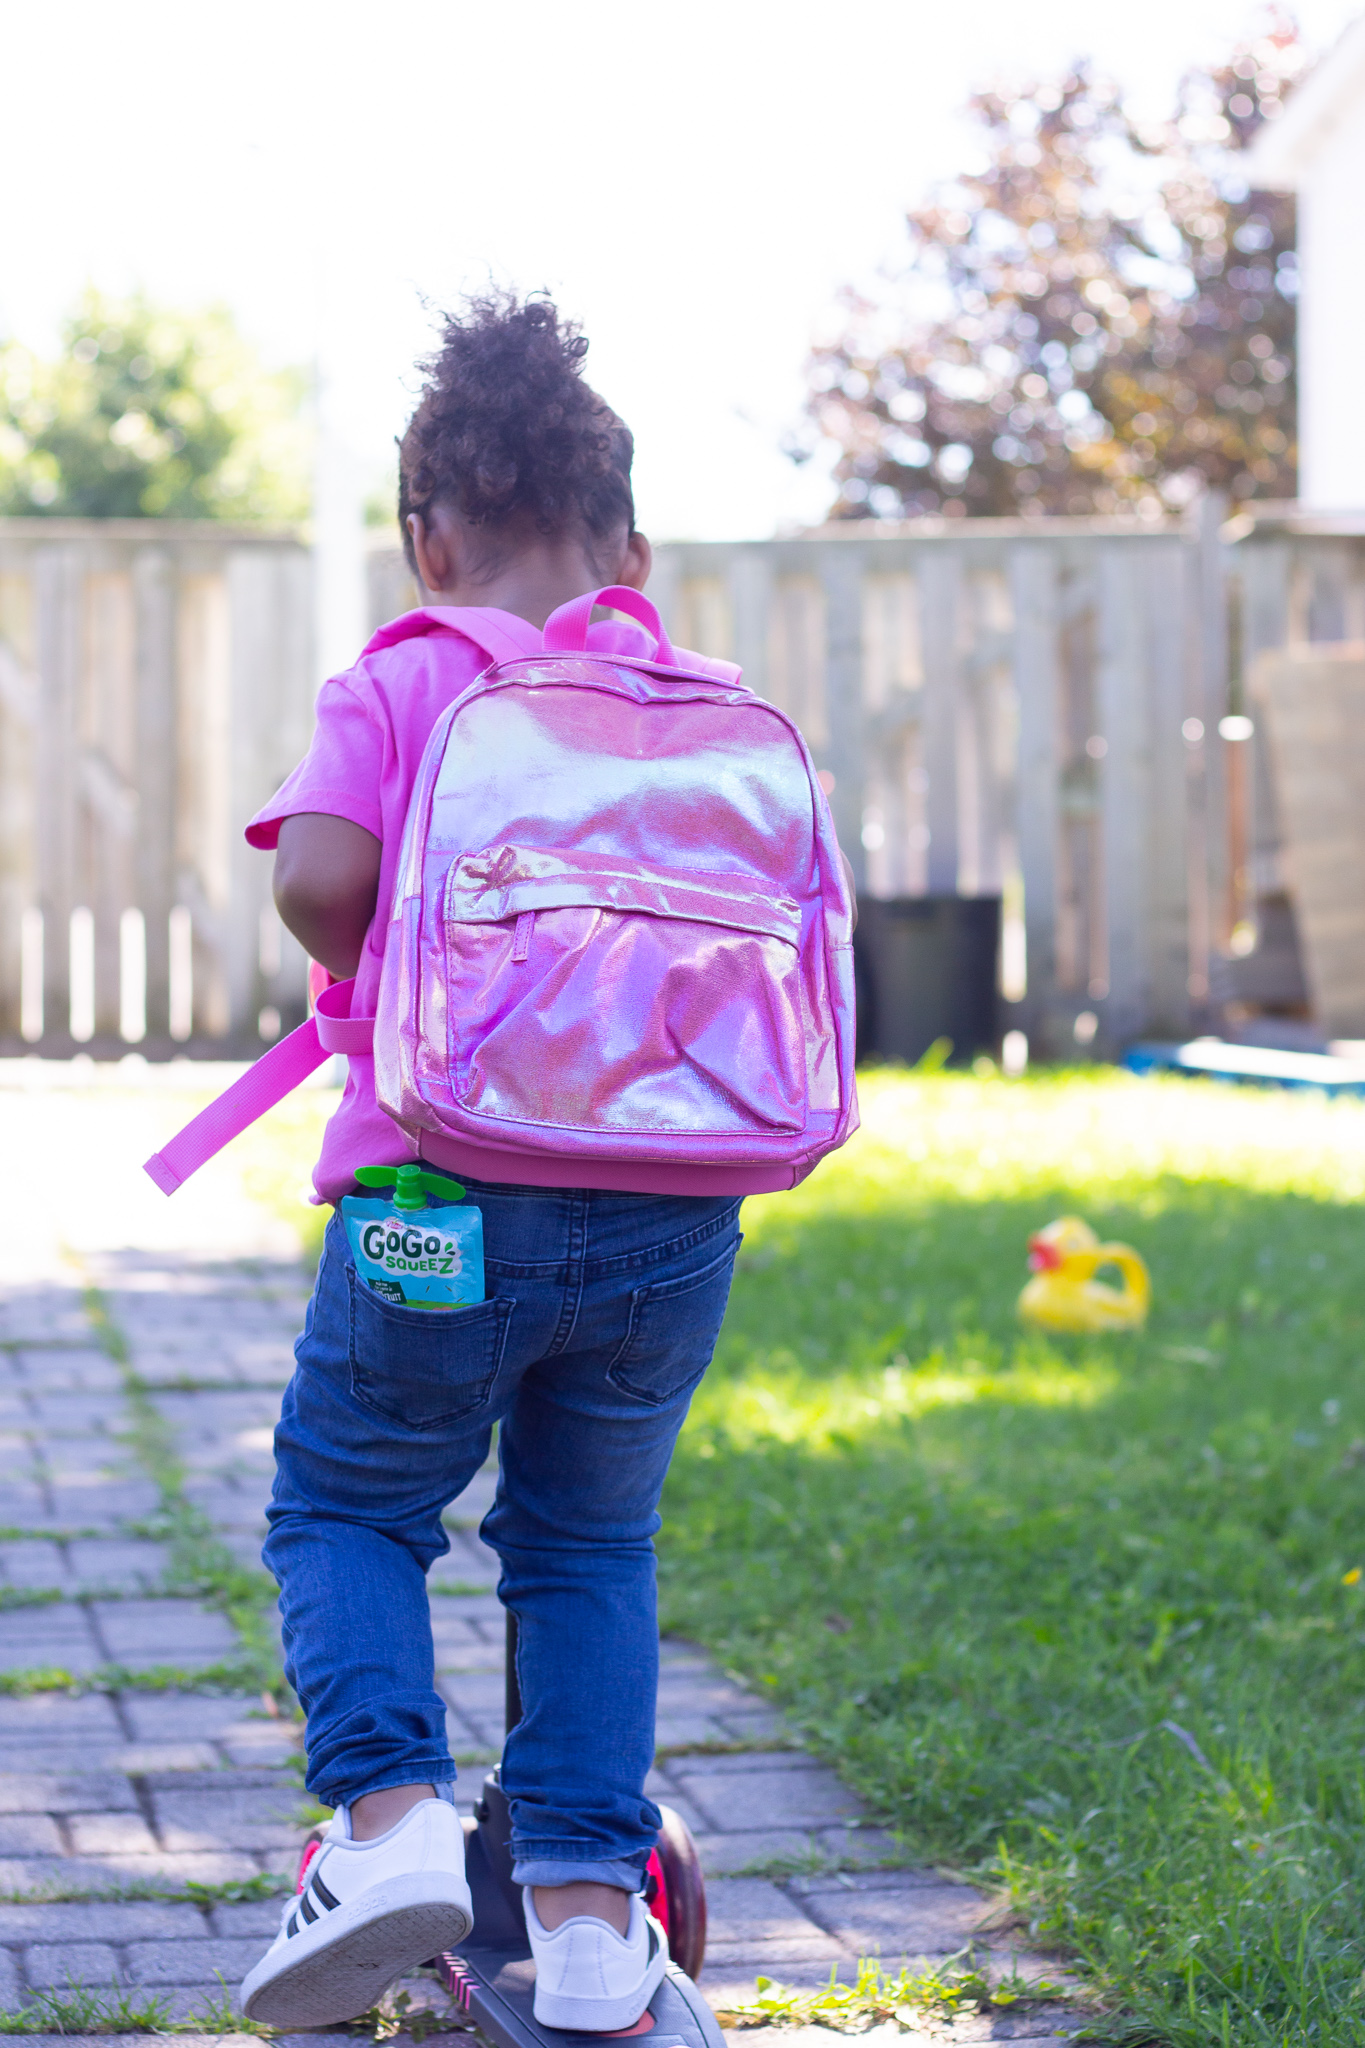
(566, 631)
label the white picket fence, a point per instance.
(1028, 709)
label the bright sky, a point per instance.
(694, 182)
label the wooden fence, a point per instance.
(1021, 709)
(155, 686)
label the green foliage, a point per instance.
(77, 2010)
(150, 414)
(1099, 319)
(233, 1675)
(20, 1685)
(942, 1991)
(218, 2014)
(238, 1891)
(397, 2013)
(1082, 1615)
(234, 1891)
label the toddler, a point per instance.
(601, 1315)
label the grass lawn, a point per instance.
(1083, 1616)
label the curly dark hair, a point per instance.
(506, 428)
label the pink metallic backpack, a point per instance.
(620, 946)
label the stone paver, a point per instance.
(48, 1964)
(152, 1789)
(108, 1564)
(143, 1633)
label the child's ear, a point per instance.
(637, 559)
(431, 544)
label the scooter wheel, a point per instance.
(675, 1892)
(312, 1843)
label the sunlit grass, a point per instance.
(991, 1572)
(775, 1399)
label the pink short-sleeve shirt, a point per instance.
(373, 723)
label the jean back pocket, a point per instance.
(424, 1368)
(673, 1329)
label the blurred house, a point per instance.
(1317, 150)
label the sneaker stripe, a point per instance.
(293, 1926)
(308, 1909)
(326, 1898)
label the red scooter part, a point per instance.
(675, 1893)
(312, 1843)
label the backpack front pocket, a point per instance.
(594, 994)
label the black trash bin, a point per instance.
(926, 969)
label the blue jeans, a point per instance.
(602, 1313)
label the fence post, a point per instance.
(751, 595)
(1161, 602)
(19, 695)
(1211, 681)
(940, 572)
(1125, 782)
(272, 699)
(1033, 578)
(57, 594)
(154, 606)
(840, 569)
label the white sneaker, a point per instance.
(591, 1979)
(369, 1912)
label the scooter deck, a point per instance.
(492, 1977)
(495, 1989)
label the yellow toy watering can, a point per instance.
(1064, 1293)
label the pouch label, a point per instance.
(424, 1258)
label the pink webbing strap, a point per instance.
(499, 635)
(267, 1081)
(566, 631)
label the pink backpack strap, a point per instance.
(267, 1081)
(501, 635)
(566, 631)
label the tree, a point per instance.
(149, 413)
(1100, 318)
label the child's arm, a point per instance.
(326, 883)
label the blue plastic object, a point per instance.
(1260, 1065)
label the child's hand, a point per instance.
(326, 882)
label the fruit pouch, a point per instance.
(423, 1255)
